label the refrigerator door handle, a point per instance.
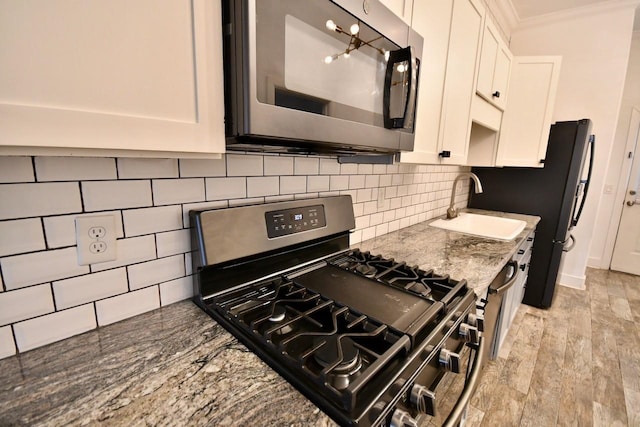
(592, 144)
(573, 243)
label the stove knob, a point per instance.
(476, 320)
(423, 399)
(469, 333)
(449, 360)
(402, 418)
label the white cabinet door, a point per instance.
(526, 123)
(459, 88)
(495, 64)
(111, 75)
(432, 20)
(402, 8)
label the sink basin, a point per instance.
(489, 226)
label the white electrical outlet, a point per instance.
(96, 238)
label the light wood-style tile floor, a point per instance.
(575, 364)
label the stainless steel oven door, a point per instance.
(450, 393)
(325, 71)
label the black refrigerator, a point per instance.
(556, 193)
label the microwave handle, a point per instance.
(406, 121)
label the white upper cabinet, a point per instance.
(111, 76)
(452, 30)
(402, 8)
(432, 20)
(527, 121)
(495, 66)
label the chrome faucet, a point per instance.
(453, 212)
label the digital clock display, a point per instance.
(297, 217)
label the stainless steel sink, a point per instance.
(493, 227)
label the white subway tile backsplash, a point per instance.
(90, 287)
(20, 236)
(263, 186)
(7, 345)
(356, 181)
(244, 165)
(382, 229)
(154, 267)
(39, 199)
(188, 266)
(385, 180)
(120, 307)
(338, 182)
(75, 168)
(368, 233)
(363, 195)
(376, 218)
(151, 220)
(293, 184)
(174, 191)
(249, 201)
(16, 169)
(13, 307)
(348, 168)
(226, 188)
(176, 290)
(365, 169)
(130, 251)
(191, 168)
(329, 167)
(173, 243)
(318, 183)
(379, 169)
(372, 181)
(307, 165)
(156, 271)
(278, 165)
(61, 230)
(53, 327)
(134, 168)
(109, 195)
(40, 267)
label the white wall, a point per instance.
(609, 214)
(594, 44)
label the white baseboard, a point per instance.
(571, 281)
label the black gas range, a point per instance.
(368, 339)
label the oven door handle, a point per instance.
(472, 382)
(503, 288)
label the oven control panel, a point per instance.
(295, 220)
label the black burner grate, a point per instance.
(344, 352)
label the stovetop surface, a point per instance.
(342, 327)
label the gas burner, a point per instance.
(419, 288)
(366, 270)
(277, 314)
(340, 359)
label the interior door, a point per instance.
(626, 253)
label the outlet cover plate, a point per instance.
(96, 239)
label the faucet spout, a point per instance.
(452, 212)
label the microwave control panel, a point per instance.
(290, 221)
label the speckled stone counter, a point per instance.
(176, 366)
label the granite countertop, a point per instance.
(176, 366)
(461, 256)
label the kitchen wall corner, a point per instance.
(45, 296)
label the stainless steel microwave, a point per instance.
(319, 76)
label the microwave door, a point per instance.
(313, 72)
